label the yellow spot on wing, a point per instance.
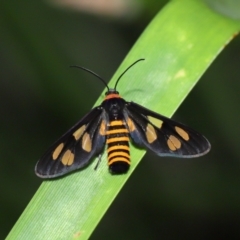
(131, 125)
(67, 158)
(86, 143)
(77, 134)
(150, 133)
(155, 121)
(173, 143)
(182, 133)
(57, 151)
(102, 130)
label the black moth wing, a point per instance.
(75, 148)
(162, 135)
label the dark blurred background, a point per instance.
(41, 97)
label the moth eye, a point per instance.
(57, 151)
(182, 133)
(77, 134)
(67, 158)
(157, 122)
(86, 143)
(173, 143)
(150, 133)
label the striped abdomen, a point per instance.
(118, 147)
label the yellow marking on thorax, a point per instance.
(118, 147)
(182, 133)
(57, 151)
(78, 133)
(119, 159)
(117, 139)
(67, 158)
(155, 121)
(86, 143)
(173, 143)
(114, 131)
(150, 133)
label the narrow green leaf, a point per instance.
(178, 45)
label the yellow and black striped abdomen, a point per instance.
(118, 147)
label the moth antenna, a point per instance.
(93, 73)
(141, 59)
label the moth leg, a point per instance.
(98, 162)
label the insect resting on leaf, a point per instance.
(114, 123)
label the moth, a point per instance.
(114, 123)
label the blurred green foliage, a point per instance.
(40, 98)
